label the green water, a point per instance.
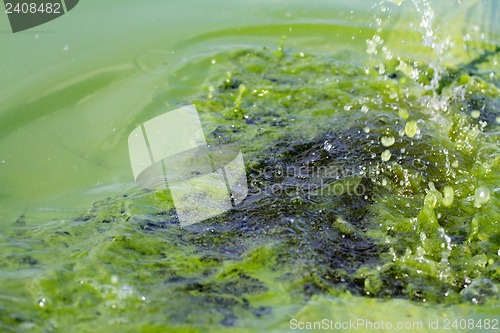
(83, 249)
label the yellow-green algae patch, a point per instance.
(329, 230)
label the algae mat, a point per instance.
(373, 206)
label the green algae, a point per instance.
(329, 222)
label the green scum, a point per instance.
(363, 187)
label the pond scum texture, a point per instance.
(368, 192)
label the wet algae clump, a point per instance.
(366, 190)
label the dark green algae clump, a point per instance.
(360, 183)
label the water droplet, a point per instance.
(482, 196)
(381, 69)
(403, 114)
(475, 114)
(372, 44)
(328, 146)
(480, 291)
(430, 200)
(411, 129)
(386, 155)
(387, 141)
(448, 195)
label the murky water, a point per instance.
(70, 97)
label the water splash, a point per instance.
(431, 39)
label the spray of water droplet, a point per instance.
(430, 38)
